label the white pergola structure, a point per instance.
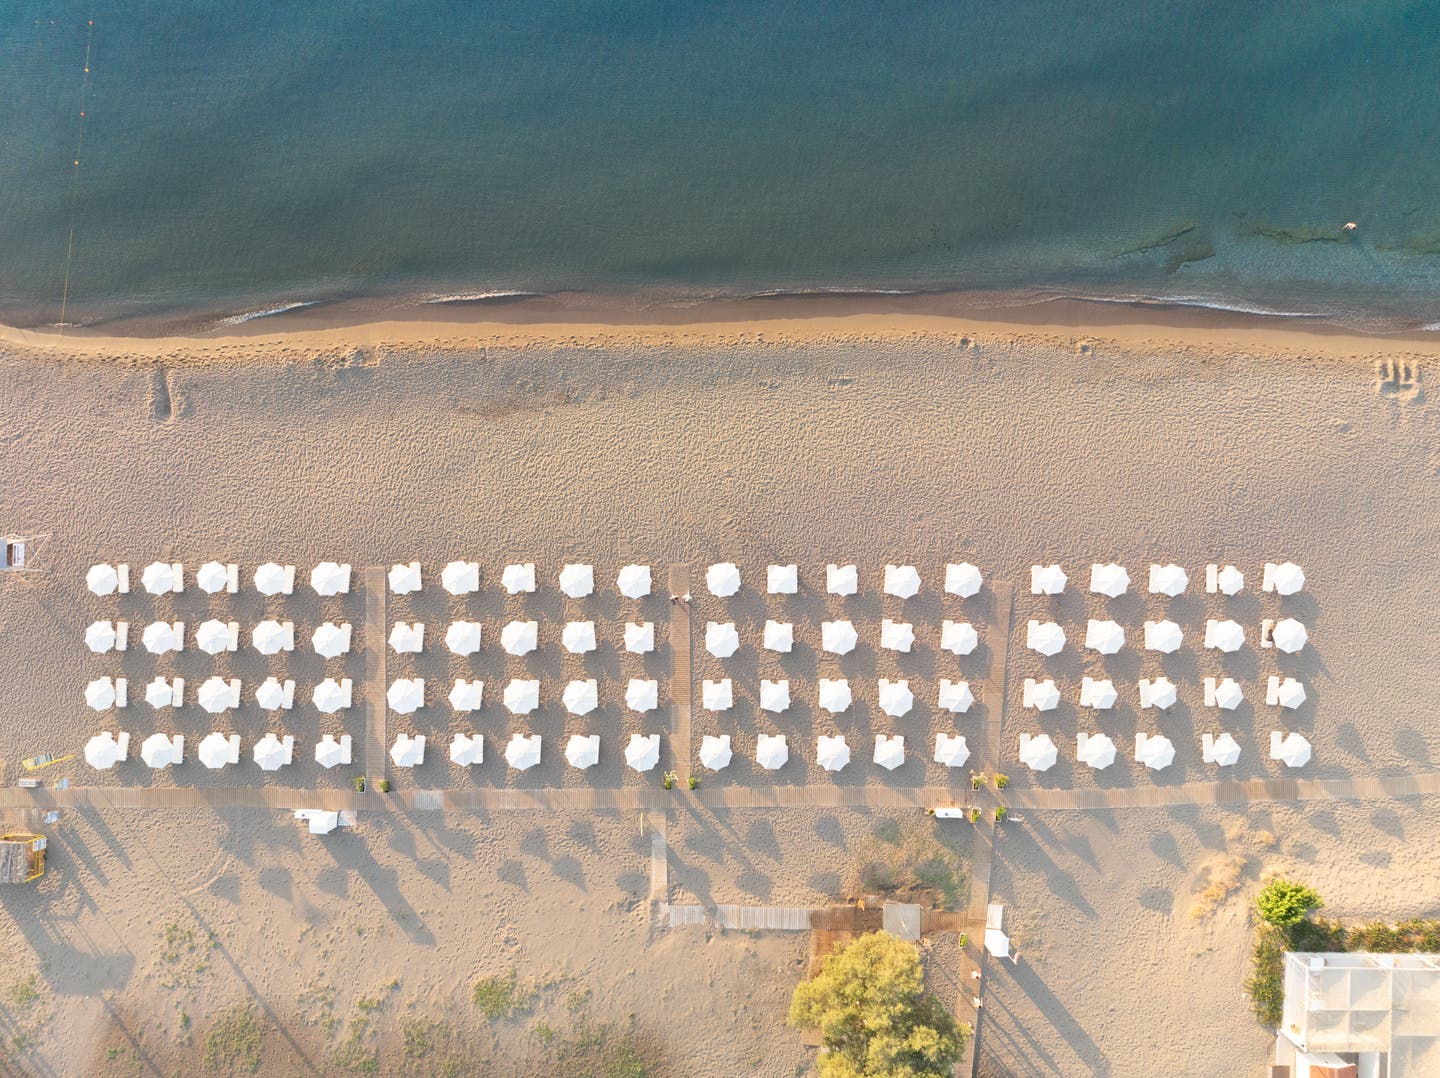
(643, 751)
(717, 695)
(842, 579)
(962, 579)
(779, 637)
(577, 580)
(519, 637)
(522, 695)
(896, 699)
(642, 694)
(715, 751)
(774, 695)
(832, 753)
(634, 581)
(951, 750)
(771, 751)
(581, 696)
(461, 577)
(582, 751)
(721, 639)
(639, 637)
(835, 694)
(723, 579)
(782, 579)
(463, 637)
(518, 578)
(902, 581)
(1110, 580)
(838, 637)
(578, 637)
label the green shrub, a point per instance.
(1002, 781)
(502, 996)
(232, 1044)
(1285, 902)
(360, 784)
(1000, 813)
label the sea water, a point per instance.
(249, 156)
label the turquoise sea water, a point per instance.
(240, 155)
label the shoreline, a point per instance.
(787, 319)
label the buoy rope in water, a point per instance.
(75, 175)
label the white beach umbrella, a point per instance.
(962, 579)
(519, 637)
(771, 751)
(642, 694)
(1110, 580)
(461, 577)
(329, 696)
(100, 637)
(407, 751)
(723, 579)
(467, 695)
(639, 637)
(634, 581)
(330, 640)
(212, 637)
(1039, 753)
(578, 637)
(158, 751)
(581, 697)
(1226, 751)
(774, 695)
(270, 695)
(463, 637)
(160, 637)
(1288, 578)
(1106, 637)
(842, 579)
(1230, 580)
(902, 581)
(1163, 636)
(955, 696)
(269, 753)
(102, 752)
(1042, 696)
(896, 699)
(721, 639)
(467, 749)
(1168, 580)
(329, 578)
(212, 577)
(1161, 695)
(958, 637)
(519, 577)
(1099, 751)
(583, 751)
(1046, 637)
(897, 635)
(838, 637)
(835, 694)
(216, 695)
(522, 696)
(1227, 635)
(715, 751)
(1098, 693)
(158, 578)
(717, 695)
(403, 579)
(782, 579)
(889, 751)
(523, 752)
(832, 753)
(577, 580)
(779, 636)
(1289, 635)
(1047, 579)
(951, 750)
(269, 637)
(407, 638)
(1158, 753)
(102, 579)
(406, 695)
(328, 752)
(271, 578)
(1228, 694)
(643, 753)
(1291, 693)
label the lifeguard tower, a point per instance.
(22, 857)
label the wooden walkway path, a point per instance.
(680, 683)
(372, 694)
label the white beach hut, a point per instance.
(519, 637)
(951, 750)
(578, 637)
(896, 699)
(1227, 635)
(1155, 751)
(782, 579)
(897, 635)
(406, 695)
(582, 751)
(577, 580)
(330, 641)
(1045, 637)
(518, 578)
(1163, 636)
(467, 694)
(838, 637)
(463, 637)
(642, 694)
(102, 579)
(842, 579)
(639, 637)
(835, 694)
(958, 637)
(161, 637)
(723, 579)
(1098, 693)
(771, 751)
(467, 749)
(779, 636)
(160, 750)
(522, 695)
(717, 695)
(1046, 579)
(643, 751)
(721, 639)
(523, 752)
(962, 579)
(273, 578)
(1106, 637)
(832, 753)
(889, 751)
(404, 579)
(1110, 580)
(460, 577)
(1096, 750)
(331, 696)
(634, 581)
(330, 578)
(902, 581)
(1038, 753)
(408, 751)
(581, 696)
(715, 751)
(955, 696)
(1289, 635)
(774, 695)
(273, 753)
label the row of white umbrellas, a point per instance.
(1113, 580)
(165, 578)
(1160, 692)
(834, 695)
(839, 637)
(1107, 637)
(1157, 751)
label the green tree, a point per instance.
(875, 1020)
(1285, 902)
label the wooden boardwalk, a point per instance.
(373, 691)
(680, 683)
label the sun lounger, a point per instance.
(122, 693)
(122, 635)
(234, 743)
(289, 588)
(1144, 692)
(289, 627)
(1140, 740)
(346, 691)
(178, 628)
(288, 688)
(345, 744)
(1276, 740)
(288, 743)
(345, 631)
(1268, 582)
(123, 741)
(1267, 633)
(1024, 743)
(234, 629)
(232, 579)
(123, 572)
(1207, 743)
(178, 572)
(1212, 579)
(1209, 694)
(1081, 740)
(1272, 691)
(234, 692)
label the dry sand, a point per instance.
(897, 436)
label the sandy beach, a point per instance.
(785, 430)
